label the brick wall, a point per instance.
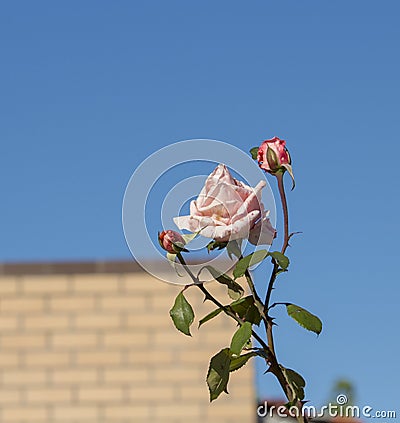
(100, 347)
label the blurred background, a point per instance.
(88, 90)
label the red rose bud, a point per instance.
(273, 156)
(171, 241)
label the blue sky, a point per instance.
(89, 89)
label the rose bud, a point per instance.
(171, 241)
(273, 157)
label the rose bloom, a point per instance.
(171, 241)
(277, 157)
(227, 209)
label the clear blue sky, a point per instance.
(89, 89)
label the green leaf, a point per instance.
(295, 378)
(210, 316)
(295, 381)
(240, 361)
(182, 314)
(281, 259)
(218, 373)
(304, 318)
(240, 338)
(235, 291)
(247, 310)
(243, 264)
(254, 153)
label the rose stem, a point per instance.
(286, 237)
(269, 323)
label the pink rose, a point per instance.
(227, 209)
(171, 241)
(273, 155)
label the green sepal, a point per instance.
(254, 153)
(216, 245)
(272, 159)
(288, 167)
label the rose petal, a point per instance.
(251, 203)
(262, 232)
(228, 209)
(238, 230)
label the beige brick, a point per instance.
(23, 341)
(46, 322)
(9, 396)
(199, 358)
(175, 339)
(151, 393)
(52, 395)
(97, 321)
(232, 409)
(21, 305)
(108, 394)
(179, 374)
(163, 303)
(28, 414)
(130, 412)
(217, 338)
(75, 412)
(23, 377)
(74, 340)
(72, 303)
(8, 285)
(98, 358)
(47, 359)
(45, 284)
(193, 392)
(126, 375)
(144, 284)
(72, 376)
(123, 302)
(103, 347)
(189, 411)
(8, 359)
(8, 323)
(96, 284)
(126, 339)
(195, 419)
(144, 357)
(149, 321)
